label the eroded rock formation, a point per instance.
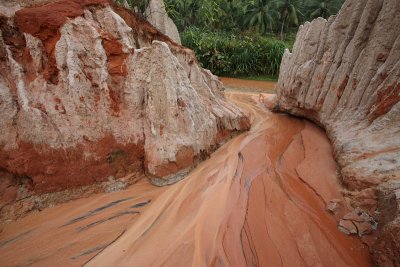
(258, 201)
(157, 15)
(344, 74)
(89, 92)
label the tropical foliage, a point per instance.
(233, 55)
(264, 16)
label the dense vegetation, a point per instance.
(234, 55)
(242, 37)
(265, 16)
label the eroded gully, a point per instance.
(258, 201)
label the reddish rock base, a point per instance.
(61, 169)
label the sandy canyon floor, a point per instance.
(260, 200)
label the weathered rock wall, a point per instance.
(344, 74)
(90, 91)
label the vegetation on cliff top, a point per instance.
(242, 37)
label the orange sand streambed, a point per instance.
(258, 201)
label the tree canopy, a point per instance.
(263, 16)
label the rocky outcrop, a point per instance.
(157, 15)
(90, 92)
(344, 74)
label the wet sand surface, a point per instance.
(258, 201)
(240, 85)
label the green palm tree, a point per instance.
(323, 8)
(289, 13)
(262, 15)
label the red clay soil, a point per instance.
(259, 201)
(115, 56)
(44, 22)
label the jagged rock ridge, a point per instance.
(89, 92)
(344, 74)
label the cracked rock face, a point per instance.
(89, 91)
(344, 74)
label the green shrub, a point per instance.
(232, 55)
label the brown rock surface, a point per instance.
(90, 91)
(344, 75)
